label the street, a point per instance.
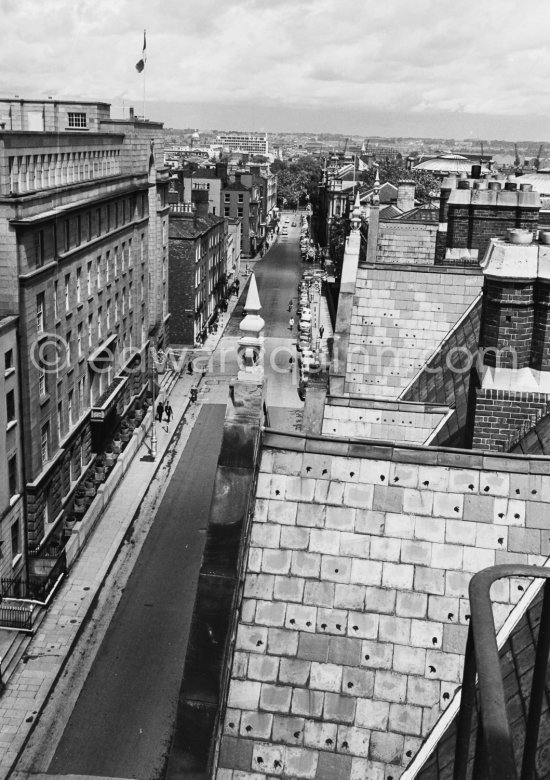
(112, 714)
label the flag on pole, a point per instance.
(141, 64)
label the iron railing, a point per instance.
(19, 618)
(492, 757)
(35, 588)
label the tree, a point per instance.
(296, 181)
(394, 171)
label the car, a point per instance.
(294, 224)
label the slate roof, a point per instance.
(183, 226)
(517, 658)
(401, 314)
(235, 186)
(445, 379)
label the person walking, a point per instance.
(321, 331)
(190, 368)
(290, 363)
(290, 305)
(291, 323)
(168, 412)
(160, 411)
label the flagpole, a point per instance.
(144, 77)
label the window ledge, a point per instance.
(44, 399)
(16, 560)
(15, 498)
(9, 372)
(11, 424)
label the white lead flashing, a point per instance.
(514, 380)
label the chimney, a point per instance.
(476, 171)
(237, 177)
(199, 199)
(405, 195)
(221, 171)
(131, 112)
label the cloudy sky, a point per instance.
(468, 69)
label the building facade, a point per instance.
(84, 266)
(198, 269)
(253, 143)
(241, 201)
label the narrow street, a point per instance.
(115, 716)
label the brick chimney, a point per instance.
(481, 210)
(405, 194)
(221, 171)
(199, 199)
(514, 361)
(447, 186)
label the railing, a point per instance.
(492, 757)
(35, 588)
(18, 617)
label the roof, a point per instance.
(236, 186)
(426, 213)
(448, 163)
(190, 226)
(390, 212)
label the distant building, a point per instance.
(83, 281)
(255, 143)
(243, 202)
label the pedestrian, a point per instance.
(321, 331)
(190, 368)
(290, 363)
(290, 305)
(168, 412)
(291, 323)
(160, 411)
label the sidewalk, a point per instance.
(29, 685)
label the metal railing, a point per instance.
(492, 757)
(35, 588)
(19, 618)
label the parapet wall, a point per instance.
(353, 623)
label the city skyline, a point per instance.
(421, 69)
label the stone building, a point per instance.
(83, 265)
(243, 201)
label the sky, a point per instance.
(435, 68)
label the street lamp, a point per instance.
(156, 357)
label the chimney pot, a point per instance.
(519, 236)
(495, 185)
(463, 184)
(526, 187)
(511, 186)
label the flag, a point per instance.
(141, 64)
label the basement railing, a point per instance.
(492, 756)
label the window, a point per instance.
(15, 539)
(41, 383)
(76, 119)
(108, 318)
(239, 211)
(45, 442)
(123, 256)
(227, 197)
(89, 280)
(70, 407)
(142, 247)
(66, 236)
(116, 307)
(130, 300)
(142, 288)
(226, 211)
(67, 301)
(10, 405)
(241, 198)
(55, 289)
(99, 330)
(79, 339)
(123, 301)
(12, 475)
(164, 232)
(98, 272)
(40, 313)
(8, 360)
(98, 221)
(116, 260)
(78, 285)
(60, 420)
(129, 252)
(68, 343)
(107, 266)
(78, 230)
(90, 227)
(81, 399)
(90, 327)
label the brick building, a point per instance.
(83, 264)
(198, 269)
(243, 201)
